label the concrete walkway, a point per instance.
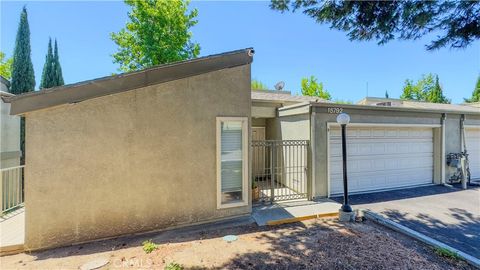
(12, 230)
(447, 214)
(269, 214)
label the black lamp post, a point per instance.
(343, 119)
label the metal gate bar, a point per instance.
(280, 169)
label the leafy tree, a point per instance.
(311, 87)
(5, 66)
(386, 94)
(341, 101)
(475, 94)
(455, 23)
(158, 32)
(258, 85)
(58, 77)
(23, 77)
(426, 89)
(48, 73)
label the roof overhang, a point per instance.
(81, 91)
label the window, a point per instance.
(232, 162)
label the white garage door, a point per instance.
(381, 158)
(472, 140)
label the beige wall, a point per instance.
(135, 161)
(9, 137)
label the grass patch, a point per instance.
(443, 252)
(173, 266)
(149, 246)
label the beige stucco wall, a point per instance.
(9, 137)
(131, 162)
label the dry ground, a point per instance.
(317, 244)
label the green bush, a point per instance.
(173, 266)
(149, 246)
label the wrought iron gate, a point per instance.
(280, 170)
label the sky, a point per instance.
(288, 47)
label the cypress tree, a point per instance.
(435, 95)
(58, 68)
(23, 77)
(48, 74)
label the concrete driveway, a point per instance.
(449, 215)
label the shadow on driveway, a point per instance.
(449, 215)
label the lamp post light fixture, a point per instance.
(343, 119)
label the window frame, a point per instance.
(245, 162)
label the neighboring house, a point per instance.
(9, 129)
(181, 144)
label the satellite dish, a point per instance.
(279, 86)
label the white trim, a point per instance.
(245, 162)
(442, 167)
(471, 126)
(313, 155)
(328, 160)
(385, 125)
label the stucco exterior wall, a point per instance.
(130, 162)
(9, 137)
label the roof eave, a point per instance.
(81, 91)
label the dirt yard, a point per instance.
(316, 244)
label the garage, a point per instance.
(472, 141)
(381, 157)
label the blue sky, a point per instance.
(288, 47)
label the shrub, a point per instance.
(173, 266)
(149, 246)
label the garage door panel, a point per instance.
(382, 157)
(472, 140)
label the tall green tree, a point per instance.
(387, 95)
(58, 77)
(23, 77)
(427, 88)
(5, 66)
(455, 23)
(52, 71)
(158, 32)
(476, 93)
(48, 73)
(258, 85)
(311, 87)
(435, 95)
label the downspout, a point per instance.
(311, 156)
(444, 117)
(462, 132)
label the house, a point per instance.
(183, 143)
(10, 130)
